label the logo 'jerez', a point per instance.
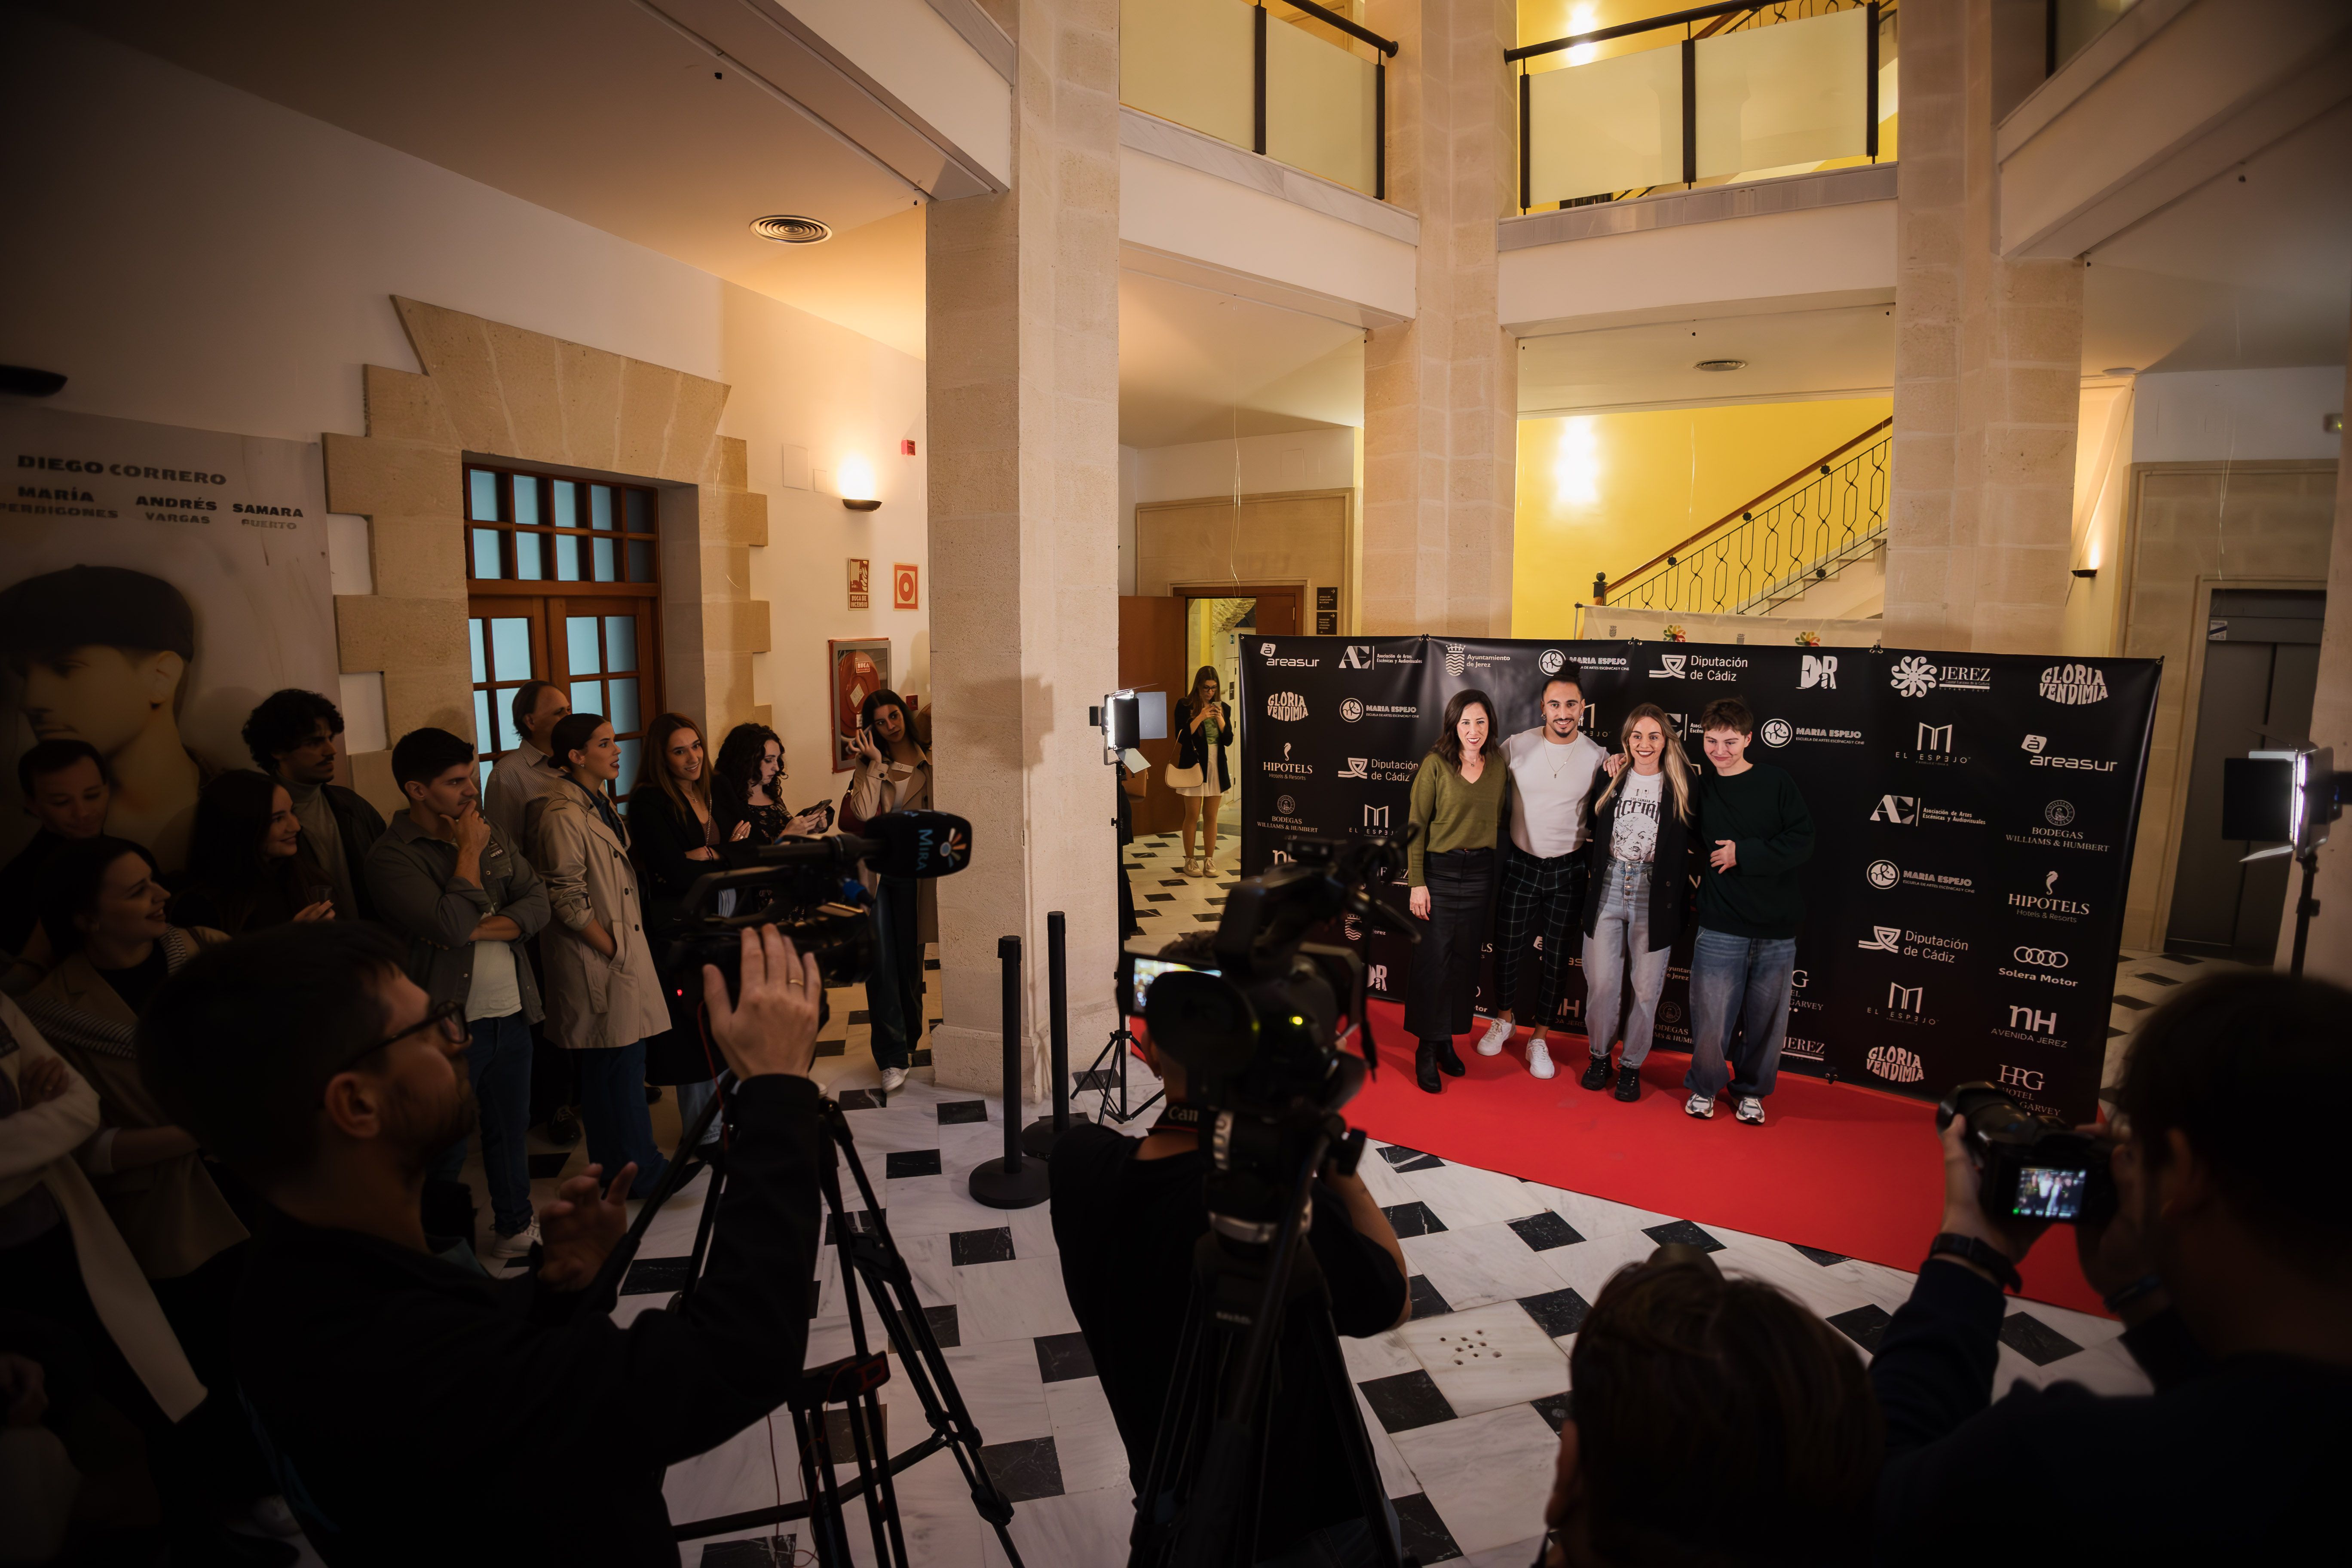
(1913, 676)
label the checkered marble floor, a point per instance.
(1463, 1403)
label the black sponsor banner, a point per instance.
(1974, 818)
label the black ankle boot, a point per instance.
(1424, 1070)
(1448, 1062)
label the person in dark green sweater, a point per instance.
(1755, 833)
(1461, 798)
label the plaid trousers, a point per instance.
(1542, 898)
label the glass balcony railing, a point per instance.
(1305, 84)
(1715, 95)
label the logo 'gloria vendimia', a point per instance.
(1287, 706)
(1894, 1064)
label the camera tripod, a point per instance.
(1199, 1505)
(868, 1258)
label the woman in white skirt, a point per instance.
(1204, 729)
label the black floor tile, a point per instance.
(1557, 1312)
(1426, 1301)
(544, 1166)
(1175, 882)
(1555, 1408)
(1405, 1401)
(1415, 1218)
(1426, 1535)
(832, 1047)
(1542, 1232)
(1211, 918)
(1092, 1078)
(1061, 1357)
(1161, 898)
(1404, 1159)
(1865, 1326)
(836, 1444)
(2134, 1002)
(2116, 1034)
(860, 1017)
(981, 1246)
(1026, 1470)
(2034, 1340)
(922, 1059)
(1682, 1231)
(2158, 979)
(1146, 915)
(1820, 1257)
(861, 1100)
(944, 1327)
(2179, 958)
(954, 1111)
(656, 1276)
(911, 1163)
(931, 963)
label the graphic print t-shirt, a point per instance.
(1634, 837)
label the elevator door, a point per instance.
(2262, 666)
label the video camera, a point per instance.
(808, 890)
(2030, 1166)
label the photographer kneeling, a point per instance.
(2229, 1259)
(420, 1411)
(1127, 1216)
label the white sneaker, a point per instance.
(892, 1078)
(1751, 1110)
(1538, 1059)
(515, 1245)
(1701, 1105)
(1497, 1036)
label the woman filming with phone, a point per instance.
(1205, 727)
(893, 773)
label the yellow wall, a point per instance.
(1605, 493)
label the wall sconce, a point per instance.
(857, 482)
(2086, 571)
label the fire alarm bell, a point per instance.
(906, 448)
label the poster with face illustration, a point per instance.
(155, 583)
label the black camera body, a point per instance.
(2029, 1166)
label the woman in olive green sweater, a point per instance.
(1461, 797)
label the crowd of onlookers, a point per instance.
(531, 902)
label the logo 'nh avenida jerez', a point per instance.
(1287, 706)
(2073, 684)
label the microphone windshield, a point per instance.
(917, 843)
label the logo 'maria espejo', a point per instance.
(1551, 661)
(2073, 684)
(1287, 706)
(1777, 732)
(1883, 874)
(1894, 1064)
(1913, 675)
(1350, 710)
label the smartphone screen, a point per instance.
(2049, 1192)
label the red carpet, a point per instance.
(1848, 1170)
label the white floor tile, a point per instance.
(1072, 1530)
(1485, 1263)
(1487, 1357)
(1020, 1300)
(999, 1381)
(1463, 1196)
(1487, 1475)
(1086, 1438)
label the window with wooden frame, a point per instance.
(564, 577)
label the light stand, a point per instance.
(2290, 796)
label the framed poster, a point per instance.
(861, 583)
(857, 668)
(906, 586)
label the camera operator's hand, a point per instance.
(771, 1027)
(1965, 1216)
(582, 1226)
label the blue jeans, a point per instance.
(894, 1004)
(498, 1062)
(691, 1099)
(612, 1110)
(1623, 926)
(1743, 982)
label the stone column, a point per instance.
(1988, 368)
(2329, 952)
(1441, 392)
(1024, 479)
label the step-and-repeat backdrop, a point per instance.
(1973, 816)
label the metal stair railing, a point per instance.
(1799, 533)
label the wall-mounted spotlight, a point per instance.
(2086, 571)
(857, 481)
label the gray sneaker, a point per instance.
(1701, 1106)
(1751, 1110)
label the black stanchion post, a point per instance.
(1038, 1137)
(1010, 1183)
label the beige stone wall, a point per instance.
(2330, 952)
(1441, 390)
(1297, 537)
(1987, 371)
(497, 391)
(1022, 304)
(2193, 527)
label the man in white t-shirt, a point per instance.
(1553, 768)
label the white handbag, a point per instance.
(1182, 778)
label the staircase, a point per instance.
(1785, 545)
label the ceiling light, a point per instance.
(785, 229)
(1723, 365)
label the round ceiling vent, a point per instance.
(1723, 365)
(785, 229)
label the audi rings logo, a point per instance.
(1551, 661)
(1883, 874)
(1350, 710)
(2041, 957)
(1777, 732)
(2058, 813)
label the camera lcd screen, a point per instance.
(1147, 970)
(2050, 1192)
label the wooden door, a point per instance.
(604, 649)
(1152, 658)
